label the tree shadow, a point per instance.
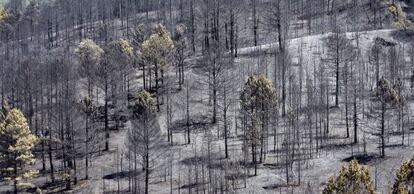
(398, 145)
(278, 186)
(198, 124)
(238, 176)
(121, 175)
(195, 160)
(192, 186)
(363, 158)
(274, 166)
(59, 186)
(222, 164)
(403, 35)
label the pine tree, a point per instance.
(404, 183)
(89, 109)
(8, 22)
(113, 73)
(16, 145)
(138, 37)
(180, 43)
(90, 56)
(156, 51)
(144, 104)
(350, 180)
(257, 97)
(120, 54)
(3, 14)
(400, 18)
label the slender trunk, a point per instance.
(383, 110)
(15, 180)
(346, 101)
(255, 23)
(87, 148)
(42, 130)
(106, 117)
(232, 32)
(327, 108)
(146, 171)
(254, 159)
(337, 78)
(168, 117)
(214, 102)
(225, 124)
(188, 115)
(52, 170)
(192, 26)
(157, 87)
(214, 75)
(355, 117)
(144, 78)
(282, 54)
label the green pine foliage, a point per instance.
(90, 55)
(258, 92)
(352, 179)
(119, 54)
(144, 103)
(157, 48)
(257, 99)
(16, 146)
(89, 52)
(404, 184)
(257, 96)
(3, 14)
(400, 19)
